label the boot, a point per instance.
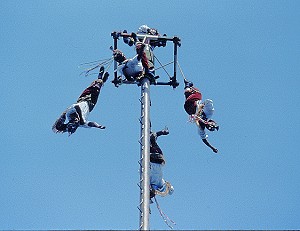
(101, 71)
(105, 77)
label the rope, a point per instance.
(109, 64)
(105, 62)
(93, 62)
(166, 192)
(166, 219)
(162, 66)
(181, 71)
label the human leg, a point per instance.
(91, 94)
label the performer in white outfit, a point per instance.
(77, 114)
(158, 185)
(200, 112)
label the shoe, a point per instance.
(101, 71)
(105, 77)
(165, 131)
(152, 193)
(130, 42)
(125, 39)
(188, 84)
(150, 75)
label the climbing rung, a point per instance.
(139, 186)
(139, 209)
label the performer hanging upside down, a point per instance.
(145, 30)
(148, 46)
(77, 114)
(200, 112)
(157, 184)
(135, 67)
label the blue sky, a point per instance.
(242, 54)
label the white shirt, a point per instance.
(156, 179)
(84, 107)
(131, 67)
(156, 175)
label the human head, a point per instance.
(73, 123)
(119, 56)
(143, 29)
(72, 127)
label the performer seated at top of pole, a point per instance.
(200, 112)
(77, 114)
(145, 30)
(150, 44)
(158, 186)
(135, 67)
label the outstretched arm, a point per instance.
(95, 125)
(210, 146)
